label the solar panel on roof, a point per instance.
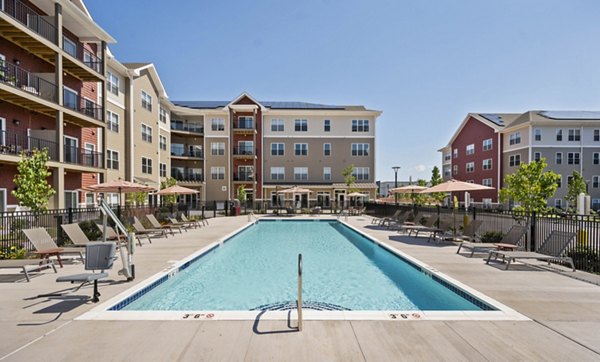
(494, 118)
(576, 115)
(268, 104)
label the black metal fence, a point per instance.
(584, 248)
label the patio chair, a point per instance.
(157, 225)
(417, 228)
(45, 246)
(149, 233)
(441, 232)
(551, 249)
(99, 256)
(27, 265)
(470, 232)
(381, 220)
(112, 235)
(512, 240)
(400, 221)
(75, 234)
(182, 224)
(202, 221)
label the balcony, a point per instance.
(83, 157)
(187, 127)
(243, 152)
(29, 18)
(81, 105)
(182, 152)
(187, 176)
(12, 143)
(30, 83)
(243, 127)
(243, 177)
(81, 56)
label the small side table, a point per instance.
(506, 247)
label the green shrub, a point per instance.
(492, 237)
(90, 230)
(13, 253)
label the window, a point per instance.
(71, 199)
(559, 182)
(146, 101)
(112, 83)
(446, 172)
(455, 170)
(327, 125)
(455, 153)
(447, 156)
(360, 149)
(487, 182)
(277, 173)
(596, 204)
(514, 138)
(217, 148)
(574, 135)
(147, 165)
(597, 135)
(300, 173)
(487, 164)
(277, 125)
(470, 167)
(217, 124)
(326, 173)
(360, 125)
(596, 158)
(559, 134)
(163, 142)
(162, 115)
(558, 158)
(277, 149)
(595, 182)
(361, 173)
(146, 133)
(326, 149)
(488, 144)
(470, 149)
(217, 173)
(537, 134)
(112, 159)
(514, 160)
(245, 122)
(301, 149)
(300, 125)
(245, 148)
(573, 158)
(69, 45)
(163, 169)
(558, 203)
(537, 156)
(112, 121)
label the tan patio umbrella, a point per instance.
(408, 189)
(177, 190)
(455, 185)
(120, 186)
(294, 190)
(356, 194)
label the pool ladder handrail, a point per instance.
(299, 305)
(250, 215)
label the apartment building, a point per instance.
(52, 95)
(269, 146)
(568, 140)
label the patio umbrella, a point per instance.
(356, 194)
(120, 186)
(177, 190)
(408, 189)
(294, 190)
(455, 185)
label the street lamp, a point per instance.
(396, 168)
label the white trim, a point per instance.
(315, 136)
(215, 136)
(3, 125)
(3, 205)
(300, 149)
(120, 105)
(515, 149)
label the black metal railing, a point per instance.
(243, 151)
(243, 125)
(83, 157)
(243, 177)
(82, 105)
(187, 153)
(24, 80)
(186, 176)
(78, 51)
(188, 127)
(15, 143)
(30, 18)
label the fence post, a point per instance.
(70, 215)
(203, 212)
(215, 208)
(474, 213)
(532, 231)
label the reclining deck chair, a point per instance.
(99, 256)
(75, 234)
(46, 247)
(27, 265)
(551, 249)
(182, 224)
(512, 237)
(149, 233)
(157, 225)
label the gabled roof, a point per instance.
(496, 121)
(549, 117)
(137, 69)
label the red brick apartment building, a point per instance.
(474, 154)
(52, 87)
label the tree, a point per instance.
(576, 186)
(349, 178)
(436, 179)
(137, 198)
(32, 188)
(530, 186)
(241, 194)
(168, 199)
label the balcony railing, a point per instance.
(76, 49)
(243, 151)
(188, 127)
(82, 105)
(186, 176)
(28, 17)
(243, 177)
(20, 78)
(188, 153)
(14, 144)
(243, 125)
(83, 157)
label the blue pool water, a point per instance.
(342, 270)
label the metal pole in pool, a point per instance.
(300, 292)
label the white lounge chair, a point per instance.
(46, 247)
(27, 265)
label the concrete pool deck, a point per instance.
(564, 313)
